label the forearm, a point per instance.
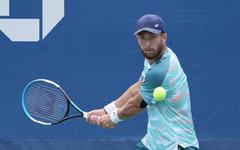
(130, 108)
(124, 99)
(128, 94)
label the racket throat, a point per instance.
(70, 117)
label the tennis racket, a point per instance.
(46, 103)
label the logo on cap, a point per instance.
(156, 25)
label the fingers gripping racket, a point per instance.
(45, 102)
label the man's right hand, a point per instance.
(93, 116)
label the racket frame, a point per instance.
(69, 102)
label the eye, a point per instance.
(152, 36)
(141, 37)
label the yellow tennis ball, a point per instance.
(159, 94)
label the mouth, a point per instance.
(149, 50)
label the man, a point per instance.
(170, 125)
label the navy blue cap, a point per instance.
(151, 23)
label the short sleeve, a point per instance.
(153, 78)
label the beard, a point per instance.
(152, 54)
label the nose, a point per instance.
(147, 44)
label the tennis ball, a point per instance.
(159, 94)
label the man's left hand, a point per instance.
(106, 122)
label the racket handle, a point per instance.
(85, 115)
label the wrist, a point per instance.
(104, 111)
(114, 116)
(110, 107)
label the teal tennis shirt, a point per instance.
(170, 121)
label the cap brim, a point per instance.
(154, 31)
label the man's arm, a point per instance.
(118, 103)
(128, 94)
(131, 107)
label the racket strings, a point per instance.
(42, 118)
(36, 93)
(46, 110)
(48, 88)
(32, 110)
(45, 102)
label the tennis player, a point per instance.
(170, 124)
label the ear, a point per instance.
(164, 37)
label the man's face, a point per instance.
(150, 44)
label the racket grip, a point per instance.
(85, 115)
